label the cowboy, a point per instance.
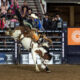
(39, 37)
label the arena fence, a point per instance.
(12, 53)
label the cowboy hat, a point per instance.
(34, 16)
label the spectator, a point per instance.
(4, 1)
(24, 10)
(4, 9)
(59, 21)
(29, 11)
(10, 2)
(29, 16)
(14, 6)
(9, 14)
(14, 19)
(20, 19)
(54, 23)
(46, 22)
(3, 22)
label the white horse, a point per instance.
(29, 43)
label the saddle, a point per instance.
(30, 33)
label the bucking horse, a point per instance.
(31, 41)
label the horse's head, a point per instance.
(45, 44)
(47, 39)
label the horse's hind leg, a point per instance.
(44, 65)
(35, 61)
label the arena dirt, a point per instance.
(27, 72)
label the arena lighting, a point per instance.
(78, 2)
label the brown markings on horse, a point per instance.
(46, 55)
(26, 31)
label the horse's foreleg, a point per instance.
(35, 61)
(44, 65)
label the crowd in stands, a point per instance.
(11, 12)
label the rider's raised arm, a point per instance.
(48, 39)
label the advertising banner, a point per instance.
(57, 59)
(24, 59)
(73, 36)
(9, 59)
(3, 58)
(6, 58)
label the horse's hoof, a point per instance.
(37, 71)
(48, 71)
